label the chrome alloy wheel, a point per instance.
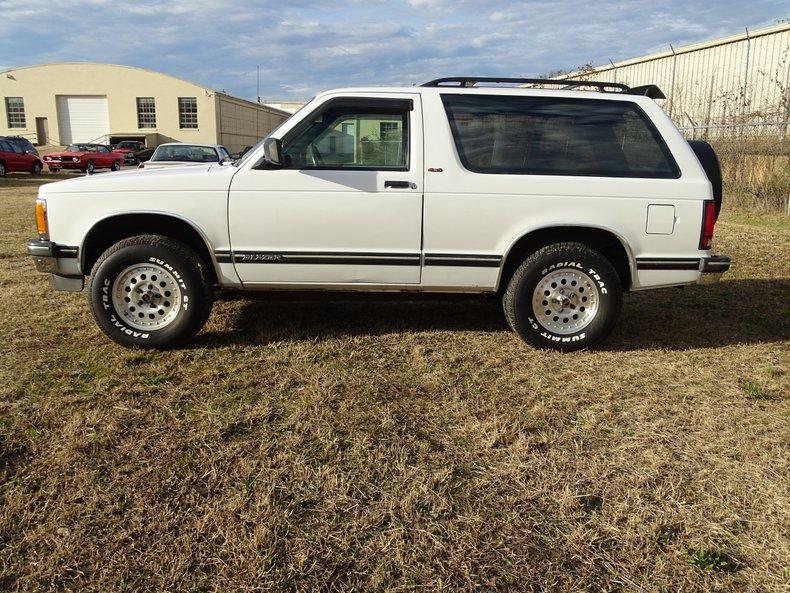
(146, 296)
(565, 301)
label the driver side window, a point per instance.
(366, 137)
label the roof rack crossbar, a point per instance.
(470, 81)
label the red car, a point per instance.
(14, 158)
(84, 157)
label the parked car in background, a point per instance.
(23, 143)
(84, 157)
(237, 155)
(134, 151)
(13, 158)
(176, 154)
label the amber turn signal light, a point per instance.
(41, 218)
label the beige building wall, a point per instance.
(220, 117)
(243, 123)
(742, 78)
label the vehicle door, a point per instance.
(105, 158)
(345, 206)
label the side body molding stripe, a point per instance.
(357, 258)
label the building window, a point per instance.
(187, 112)
(15, 110)
(146, 112)
(389, 130)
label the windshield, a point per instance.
(132, 145)
(76, 148)
(185, 152)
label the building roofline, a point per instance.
(685, 49)
(200, 86)
(262, 106)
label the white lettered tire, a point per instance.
(564, 296)
(150, 291)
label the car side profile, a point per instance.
(557, 200)
(84, 157)
(176, 154)
(13, 158)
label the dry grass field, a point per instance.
(331, 444)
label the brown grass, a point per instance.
(317, 444)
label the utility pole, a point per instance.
(258, 98)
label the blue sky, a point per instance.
(305, 46)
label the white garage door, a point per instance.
(83, 118)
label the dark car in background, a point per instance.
(134, 151)
(14, 159)
(237, 155)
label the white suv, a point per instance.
(558, 200)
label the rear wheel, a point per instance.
(150, 291)
(564, 296)
(2, 169)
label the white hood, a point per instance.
(198, 178)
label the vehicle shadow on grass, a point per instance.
(26, 180)
(731, 312)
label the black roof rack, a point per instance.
(650, 90)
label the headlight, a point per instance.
(76, 159)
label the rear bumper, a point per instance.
(59, 261)
(715, 264)
(712, 268)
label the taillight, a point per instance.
(708, 222)
(41, 219)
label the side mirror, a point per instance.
(272, 147)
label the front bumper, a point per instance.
(712, 268)
(59, 261)
(64, 164)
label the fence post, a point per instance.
(745, 75)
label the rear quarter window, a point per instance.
(550, 136)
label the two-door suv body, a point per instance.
(556, 199)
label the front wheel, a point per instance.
(116, 166)
(2, 169)
(89, 168)
(564, 296)
(36, 170)
(150, 291)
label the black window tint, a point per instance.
(550, 136)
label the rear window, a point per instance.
(550, 136)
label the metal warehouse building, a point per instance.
(62, 103)
(739, 80)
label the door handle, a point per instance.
(400, 185)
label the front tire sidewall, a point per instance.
(116, 166)
(525, 321)
(113, 324)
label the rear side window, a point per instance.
(550, 136)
